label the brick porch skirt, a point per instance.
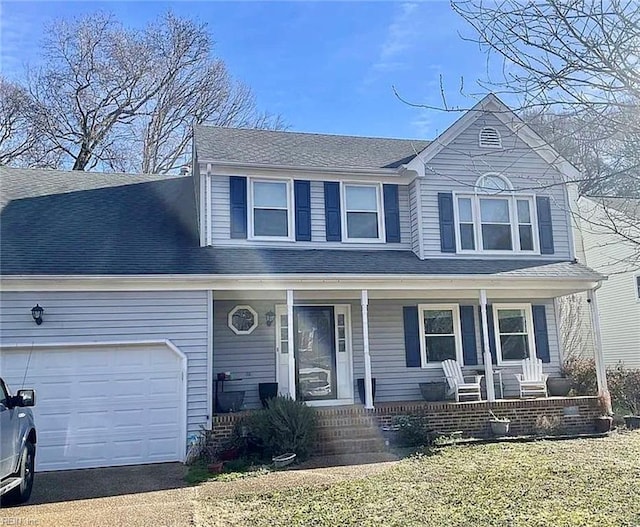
(575, 415)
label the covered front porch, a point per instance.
(319, 339)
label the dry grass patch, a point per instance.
(565, 483)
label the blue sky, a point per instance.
(326, 67)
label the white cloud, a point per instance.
(401, 36)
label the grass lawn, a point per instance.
(547, 483)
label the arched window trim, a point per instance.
(489, 137)
(480, 189)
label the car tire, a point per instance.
(26, 470)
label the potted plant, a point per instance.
(433, 391)
(361, 389)
(560, 386)
(603, 423)
(499, 426)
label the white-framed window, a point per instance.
(513, 325)
(489, 137)
(270, 209)
(362, 212)
(495, 218)
(637, 282)
(440, 334)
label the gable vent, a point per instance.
(490, 138)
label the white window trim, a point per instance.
(528, 313)
(236, 330)
(457, 331)
(290, 210)
(513, 216)
(343, 212)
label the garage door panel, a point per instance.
(102, 407)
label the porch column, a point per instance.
(368, 388)
(488, 365)
(292, 346)
(601, 371)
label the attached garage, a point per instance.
(103, 404)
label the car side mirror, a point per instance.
(26, 398)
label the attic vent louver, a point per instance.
(490, 138)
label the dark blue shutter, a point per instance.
(447, 223)
(492, 333)
(545, 226)
(391, 213)
(467, 322)
(302, 194)
(540, 331)
(238, 206)
(411, 336)
(332, 211)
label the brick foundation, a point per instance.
(576, 416)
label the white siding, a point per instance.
(617, 298)
(179, 316)
(457, 167)
(221, 226)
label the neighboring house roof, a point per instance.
(268, 147)
(628, 206)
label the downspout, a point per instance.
(601, 370)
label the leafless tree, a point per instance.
(574, 65)
(20, 142)
(575, 326)
(125, 100)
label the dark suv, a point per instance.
(17, 444)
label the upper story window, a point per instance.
(638, 287)
(513, 324)
(362, 216)
(496, 219)
(270, 211)
(489, 137)
(440, 334)
(493, 184)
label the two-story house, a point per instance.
(303, 259)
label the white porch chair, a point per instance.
(532, 381)
(457, 382)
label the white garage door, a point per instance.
(102, 405)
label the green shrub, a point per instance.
(624, 387)
(283, 426)
(582, 372)
(413, 430)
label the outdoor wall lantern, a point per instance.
(36, 313)
(270, 316)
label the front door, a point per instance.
(321, 353)
(315, 353)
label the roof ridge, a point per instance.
(317, 134)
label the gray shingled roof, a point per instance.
(241, 145)
(125, 225)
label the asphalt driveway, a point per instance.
(134, 496)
